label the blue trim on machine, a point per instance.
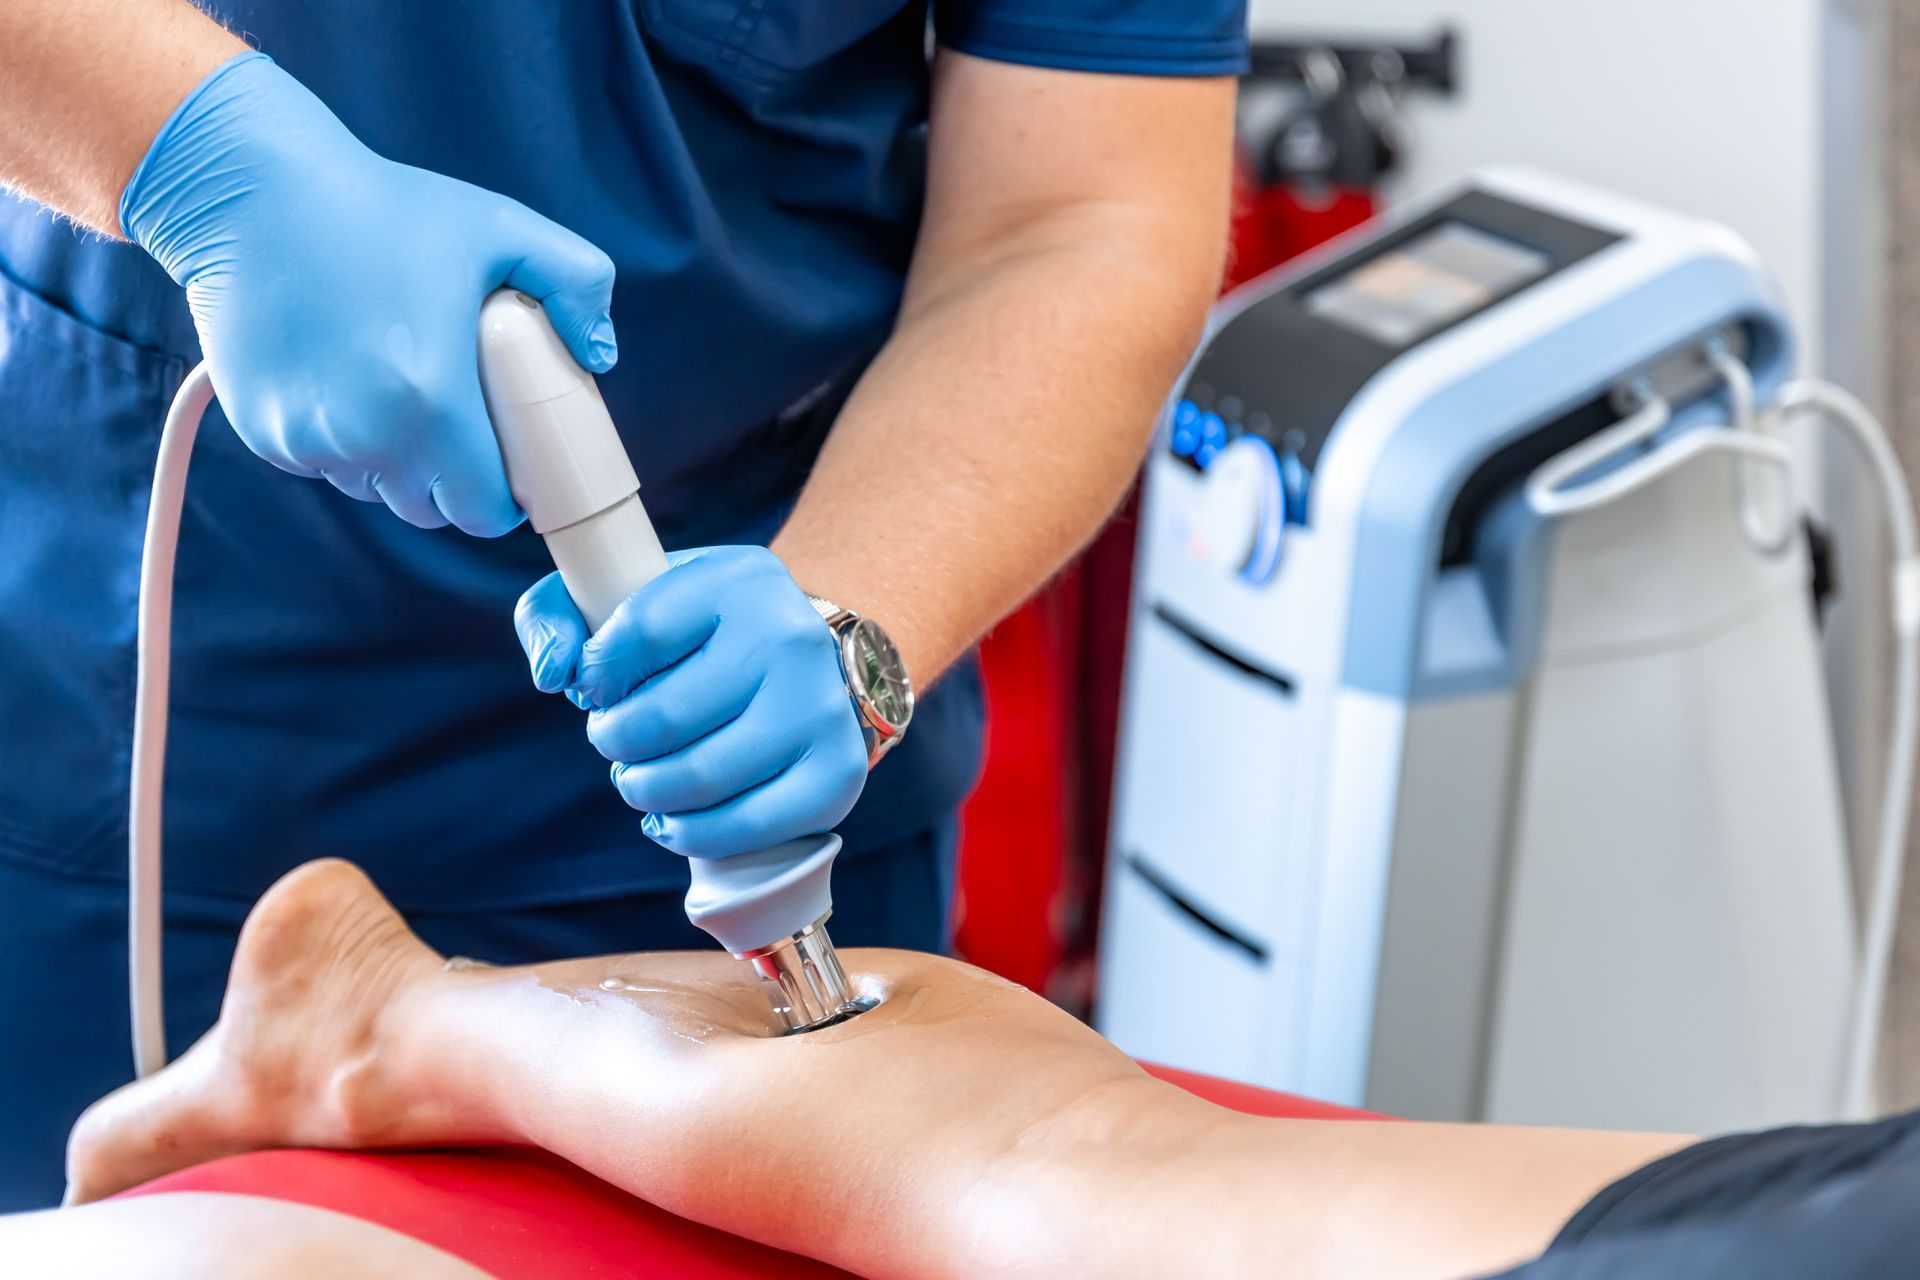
(1397, 555)
(1265, 560)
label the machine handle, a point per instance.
(1548, 493)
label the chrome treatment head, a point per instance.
(803, 980)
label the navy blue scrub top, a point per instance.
(346, 684)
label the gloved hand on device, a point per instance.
(336, 293)
(717, 692)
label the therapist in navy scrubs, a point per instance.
(884, 333)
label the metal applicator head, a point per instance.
(780, 893)
(803, 980)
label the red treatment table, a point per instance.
(525, 1215)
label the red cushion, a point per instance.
(1255, 1101)
(519, 1213)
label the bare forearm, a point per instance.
(1074, 231)
(85, 85)
(994, 435)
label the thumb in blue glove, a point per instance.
(716, 691)
(337, 294)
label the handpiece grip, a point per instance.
(568, 469)
(566, 464)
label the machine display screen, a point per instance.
(1427, 283)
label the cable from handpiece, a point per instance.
(152, 662)
(1859, 1090)
(1552, 491)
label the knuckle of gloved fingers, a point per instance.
(829, 716)
(821, 812)
(697, 835)
(653, 616)
(797, 645)
(596, 269)
(833, 783)
(631, 783)
(763, 562)
(528, 610)
(399, 398)
(595, 676)
(303, 445)
(664, 720)
(705, 776)
(263, 421)
(807, 625)
(737, 558)
(852, 770)
(611, 735)
(631, 629)
(637, 727)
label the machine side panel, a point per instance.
(1680, 940)
(1444, 903)
(1358, 786)
(1151, 957)
(1205, 797)
(1202, 874)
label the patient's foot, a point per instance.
(322, 959)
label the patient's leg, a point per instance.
(963, 1127)
(233, 1237)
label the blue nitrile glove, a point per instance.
(337, 294)
(716, 690)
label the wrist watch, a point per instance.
(876, 678)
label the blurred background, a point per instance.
(1795, 122)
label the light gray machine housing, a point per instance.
(1463, 812)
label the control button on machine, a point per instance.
(1239, 516)
(1186, 428)
(1293, 483)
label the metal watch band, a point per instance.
(830, 613)
(838, 618)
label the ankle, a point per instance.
(419, 1079)
(384, 1088)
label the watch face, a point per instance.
(878, 677)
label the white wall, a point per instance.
(1711, 106)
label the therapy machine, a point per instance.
(569, 471)
(1475, 749)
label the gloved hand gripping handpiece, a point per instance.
(567, 468)
(569, 471)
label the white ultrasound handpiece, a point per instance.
(570, 472)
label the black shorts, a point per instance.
(1830, 1202)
